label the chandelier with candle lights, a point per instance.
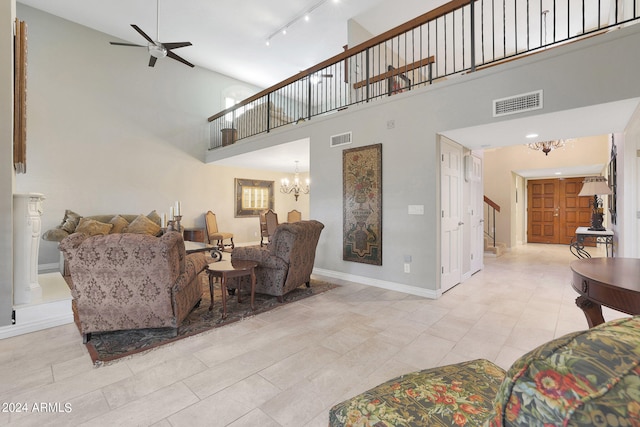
(295, 186)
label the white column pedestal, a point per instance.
(27, 224)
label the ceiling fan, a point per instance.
(155, 47)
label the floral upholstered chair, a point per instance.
(287, 261)
(587, 378)
(132, 281)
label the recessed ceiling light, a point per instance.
(531, 135)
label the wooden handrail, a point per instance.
(400, 29)
(396, 71)
(491, 203)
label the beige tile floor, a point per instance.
(287, 367)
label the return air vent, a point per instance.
(341, 139)
(517, 104)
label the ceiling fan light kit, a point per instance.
(157, 51)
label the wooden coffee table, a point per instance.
(226, 269)
(612, 282)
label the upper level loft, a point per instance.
(458, 37)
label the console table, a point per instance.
(612, 282)
(583, 234)
(194, 234)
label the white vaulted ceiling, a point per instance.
(229, 36)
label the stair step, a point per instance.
(496, 250)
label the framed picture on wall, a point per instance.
(253, 196)
(20, 99)
(362, 204)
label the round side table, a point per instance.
(226, 269)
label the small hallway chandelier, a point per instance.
(546, 146)
(294, 187)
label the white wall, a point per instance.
(570, 78)
(108, 134)
(628, 209)
(7, 17)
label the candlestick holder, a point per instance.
(174, 224)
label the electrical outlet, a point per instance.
(407, 267)
(391, 124)
(255, 234)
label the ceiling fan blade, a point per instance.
(176, 45)
(143, 34)
(126, 44)
(177, 58)
(152, 61)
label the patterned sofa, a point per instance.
(286, 262)
(588, 378)
(132, 281)
(103, 224)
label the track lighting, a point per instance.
(306, 16)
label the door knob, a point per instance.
(460, 223)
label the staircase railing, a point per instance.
(458, 37)
(490, 226)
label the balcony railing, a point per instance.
(458, 37)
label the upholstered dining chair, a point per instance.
(268, 224)
(294, 216)
(214, 235)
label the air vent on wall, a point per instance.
(341, 139)
(517, 104)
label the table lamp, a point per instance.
(594, 186)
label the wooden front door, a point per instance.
(554, 210)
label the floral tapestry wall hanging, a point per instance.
(362, 204)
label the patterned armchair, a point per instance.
(587, 378)
(132, 281)
(287, 261)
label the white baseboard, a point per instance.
(53, 309)
(46, 268)
(32, 318)
(392, 286)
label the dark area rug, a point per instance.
(109, 346)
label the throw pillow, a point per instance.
(92, 227)
(70, 221)
(55, 235)
(119, 224)
(153, 216)
(143, 225)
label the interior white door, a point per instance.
(451, 215)
(476, 217)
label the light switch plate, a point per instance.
(416, 209)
